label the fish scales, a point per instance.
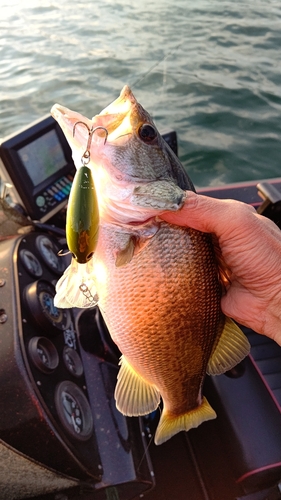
(162, 328)
(158, 285)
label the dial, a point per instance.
(39, 298)
(49, 252)
(72, 361)
(43, 354)
(46, 299)
(31, 263)
(74, 410)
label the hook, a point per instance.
(61, 253)
(86, 156)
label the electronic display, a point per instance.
(42, 157)
(37, 161)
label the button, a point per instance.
(40, 201)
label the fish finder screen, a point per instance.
(42, 157)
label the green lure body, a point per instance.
(82, 219)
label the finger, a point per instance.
(208, 214)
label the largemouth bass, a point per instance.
(159, 285)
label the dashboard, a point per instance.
(58, 369)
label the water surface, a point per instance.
(208, 69)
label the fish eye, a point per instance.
(147, 133)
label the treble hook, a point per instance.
(86, 155)
(61, 253)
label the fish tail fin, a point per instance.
(76, 287)
(169, 424)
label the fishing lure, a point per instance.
(76, 287)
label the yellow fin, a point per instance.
(169, 425)
(76, 287)
(134, 396)
(232, 347)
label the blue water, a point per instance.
(211, 70)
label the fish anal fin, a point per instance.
(169, 424)
(231, 348)
(134, 396)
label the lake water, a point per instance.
(211, 70)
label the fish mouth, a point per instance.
(122, 104)
(123, 117)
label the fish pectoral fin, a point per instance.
(232, 347)
(76, 287)
(159, 195)
(125, 255)
(169, 424)
(134, 247)
(134, 396)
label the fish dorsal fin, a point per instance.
(232, 347)
(134, 396)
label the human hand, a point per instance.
(251, 248)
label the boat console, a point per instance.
(61, 436)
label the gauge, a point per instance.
(43, 354)
(31, 263)
(49, 252)
(39, 297)
(74, 410)
(72, 361)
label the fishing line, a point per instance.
(145, 452)
(143, 76)
(151, 437)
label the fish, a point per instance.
(159, 285)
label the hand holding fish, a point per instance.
(251, 248)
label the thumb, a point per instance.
(208, 214)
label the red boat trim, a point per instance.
(242, 191)
(256, 471)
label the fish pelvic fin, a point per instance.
(169, 424)
(231, 348)
(134, 395)
(76, 287)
